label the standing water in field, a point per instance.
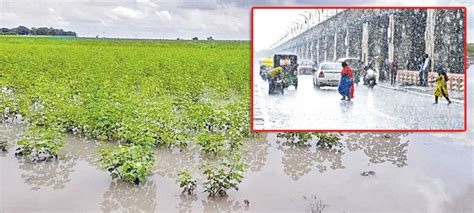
(434, 168)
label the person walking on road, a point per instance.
(421, 75)
(346, 84)
(426, 68)
(441, 89)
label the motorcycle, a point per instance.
(276, 85)
(370, 77)
(264, 72)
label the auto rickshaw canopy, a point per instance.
(268, 62)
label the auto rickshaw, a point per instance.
(289, 63)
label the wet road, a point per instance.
(378, 108)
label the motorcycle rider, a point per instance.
(371, 76)
(273, 75)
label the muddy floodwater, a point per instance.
(413, 172)
(402, 172)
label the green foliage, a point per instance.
(138, 93)
(326, 140)
(186, 182)
(129, 163)
(227, 175)
(211, 143)
(297, 138)
(40, 143)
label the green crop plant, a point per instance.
(328, 140)
(210, 143)
(40, 144)
(324, 139)
(227, 175)
(297, 138)
(186, 182)
(128, 163)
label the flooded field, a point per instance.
(397, 172)
(411, 172)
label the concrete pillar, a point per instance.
(325, 51)
(317, 51)
(330, 47)
(430, 35)
(390, 38)
(306, 50)
(409, 41)
(335, 47)
(449, 40)
(303, 51)
(365, 43)
(346, 43)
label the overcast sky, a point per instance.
(222, 19)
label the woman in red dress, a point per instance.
(346, 70)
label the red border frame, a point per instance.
(359, 7)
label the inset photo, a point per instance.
(359, 69)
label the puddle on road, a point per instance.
(413, 172)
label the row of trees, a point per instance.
(208, 38)
(22, 30)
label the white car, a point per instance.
(305, 70)
(327, 74)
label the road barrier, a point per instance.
(410, 77)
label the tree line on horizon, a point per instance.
(22, 30)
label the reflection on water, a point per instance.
(254, 153)
(299, 160)
(221, 204)
(296, 160)
(379, 147)
(185, 204)
(171, 162)
(333, 159)
(272, 182)
(127, 197)
(54, 174)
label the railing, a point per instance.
(455, 81)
